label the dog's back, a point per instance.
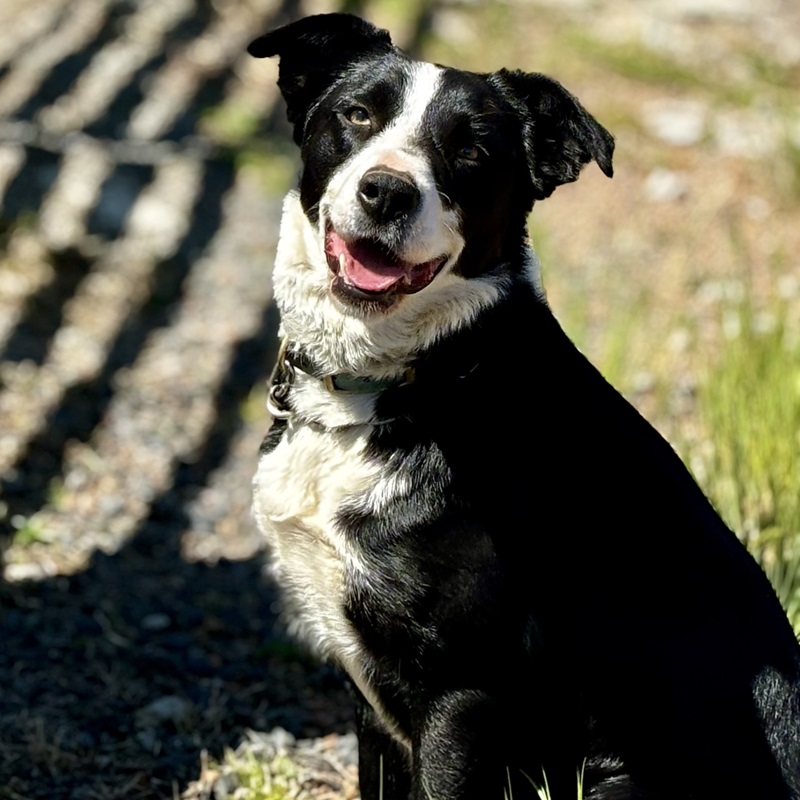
(651, 638)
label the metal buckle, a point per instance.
(356, 385)
(280, 384)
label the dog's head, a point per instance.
(413, 171)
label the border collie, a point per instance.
(518, 574)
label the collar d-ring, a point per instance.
(280, 384)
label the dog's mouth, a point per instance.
(368, 269)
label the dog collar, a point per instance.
(291, 359)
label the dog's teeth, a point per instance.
(341, 260)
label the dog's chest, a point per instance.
(300, 486)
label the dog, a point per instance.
(519, 576)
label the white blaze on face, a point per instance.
(434, 230)
(336, 335)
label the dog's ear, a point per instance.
(560, 135)
(314, 52)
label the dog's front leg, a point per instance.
(384, 765)
(458, 752)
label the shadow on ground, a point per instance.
(117, 678)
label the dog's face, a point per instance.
(401, 160)
(415, 174)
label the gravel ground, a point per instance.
(139, 628)
(136, 331)
(140, 636)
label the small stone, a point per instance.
(643, 382)
(347, 748)
(665, 186)
(155, 622)
(24, 572)
(757, 207)
(148, 740)
(716, 9)
(788, 286)
(679, 340)
(731, 324)
(680, 123)
(748, 134)
(225, 786)
(281, 740)
(169, 708)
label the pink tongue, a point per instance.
(364, 266)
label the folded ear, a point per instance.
(314, 52)
(560, 135)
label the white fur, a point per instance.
(313, 402)
(316, 469)
(533, 272)
(380, 344)
(435, 231)
(386, 489)
(299, 488)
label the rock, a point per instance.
(155, 622)
(278, 740)
(710, 9)
(679, 340)
(788, 286)
(148, 740)
(169, 708)
(225, 786)
(665, 186)
(281, 739)
(680, 123)
(347, 748)
(643, 382)
(756, 207)
(747, 133)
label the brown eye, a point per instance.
(470, 152)
(358, 116)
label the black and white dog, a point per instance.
(516, 571)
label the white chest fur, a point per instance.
(299, 488)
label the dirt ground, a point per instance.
(142, 162)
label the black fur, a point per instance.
(556, 593)
(560, 559)
(560, 137)
(314, 53)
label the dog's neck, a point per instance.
(379, 346)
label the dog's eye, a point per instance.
(358, 116)
(469, 152)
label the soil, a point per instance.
(140, 635)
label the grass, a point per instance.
(28, 531)
(750, 409)
(641, 64)
(790, 175)
(769, 71)
(543, 791)
(244, 775)
(235, 126)
(260, 780)
(635, 61)
(274, 167)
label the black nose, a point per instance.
(386, 195)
